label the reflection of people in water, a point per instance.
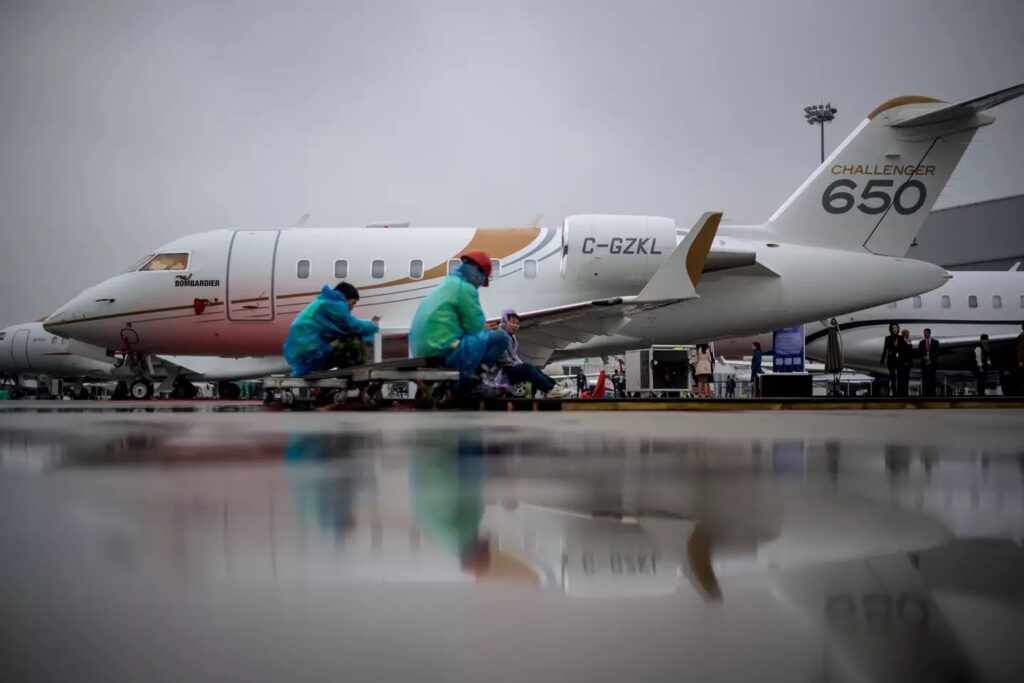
(329, 501)
(448, 502)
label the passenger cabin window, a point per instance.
(377, 269)
(177, 261)
(453, 264)
(945, 301)
(341, 269)
(1022, 300)
(416, 269)
(530, 268)
(302, 269)
(2, 335)
(997, 301)
(916, 302)
(972, 301)
(495, 268)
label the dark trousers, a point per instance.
(981, 382)
(524, 372)
(894, 378)
(927, 381)
(903, 380)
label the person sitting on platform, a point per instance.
(516, 371)
(449, 323)
(326, 335)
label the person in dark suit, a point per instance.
(907, 366)
(895, 351)
(928, 352)
(755, 369)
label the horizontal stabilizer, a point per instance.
(679, 274)
(961, 109)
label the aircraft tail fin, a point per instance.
(875, 190)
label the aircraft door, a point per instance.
(19, 350)
(250, 275)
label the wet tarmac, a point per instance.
(255, 546)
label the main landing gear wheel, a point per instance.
(438, 395)
(268, 397)
(141, 389)
(229, 391)
(288, 397)
(371, 394)
(183, 389)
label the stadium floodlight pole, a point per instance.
(820, 114)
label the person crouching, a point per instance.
(449, 323)
(326, 335)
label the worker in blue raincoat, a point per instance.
(450, 323)
(326, 334)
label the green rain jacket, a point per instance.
(445, 315)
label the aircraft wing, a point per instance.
(547, 330)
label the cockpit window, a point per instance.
(138, 264)
(2, 335)
(167, 262)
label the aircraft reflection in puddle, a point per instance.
(841, 536)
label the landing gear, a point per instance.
(141, 389)
(183, 389)
(229, 391)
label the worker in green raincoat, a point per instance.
(326, 334)
(450, 323)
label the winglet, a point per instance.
(690, 256)
(960, 109)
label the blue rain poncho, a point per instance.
(451, 313)
(325, 319)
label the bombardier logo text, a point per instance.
(187, 281)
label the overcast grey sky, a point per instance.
(127, 124)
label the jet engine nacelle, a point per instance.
(614, 255)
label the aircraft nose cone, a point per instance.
(72, 310)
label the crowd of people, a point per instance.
(900, 354)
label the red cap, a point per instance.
(482, 261)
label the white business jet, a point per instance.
(599, 283)
(958, 313)
(29, 351)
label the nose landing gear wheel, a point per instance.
(141, 389)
